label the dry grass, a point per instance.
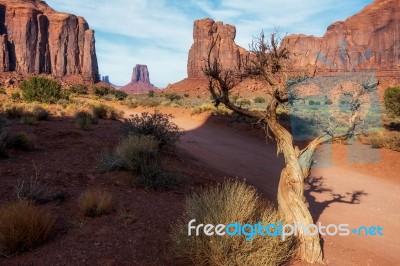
(94, 203)
(384, 139)
(226, 203)
(23, 227)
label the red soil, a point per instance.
(209, 150)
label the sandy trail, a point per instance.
(237, 153)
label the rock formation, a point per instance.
(228, 53)
(140, 82)
(106, 79)
(367, 40)
(36, 39)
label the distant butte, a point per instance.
(140, 82)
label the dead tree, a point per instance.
(269, 62)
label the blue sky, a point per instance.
(158, 33)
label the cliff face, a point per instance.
(228, 53)
(367, 40)
(35, 39)
(140, 73)
(140, 82)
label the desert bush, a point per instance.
(20, 141)
(100, 111)
(15, 96)
(31, 189)
(4, 135)
(227, 203)
(3, 91)
(39, 112)
(84, 120)
(328, 102)
(150, 93)
(157, 124)
(29, 120)
(208, 107)
(23, 227)
(186, 95)
(156, 179)
(103, 111)
(41, 89)
(384, 139)
(79, 89)
(172, 96)
(14, 112)
(242, 102)
(311, 102)
(103, 91)
(120, 95)
(259, 100)
(95, 203)
(392, 100)
(109, 161)
(138, 153)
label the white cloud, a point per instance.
(159, 32)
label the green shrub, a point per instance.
(4, 135)
(79, 89)
(317, 103)
(150, 93)
(157, 125)
(103, 91)
(156, 179)
(392, 100)
(23, 227)
(328, 102)
(100, 111)
(259, 100)
(14, 112)
(41, 89)
(186, 95)
(103, 111)
(84, 120)
(20, 141)
(227, 203)
(40, 113)
(15, 96)
(109, 161)
(120, 95)
(172, 96)
(29, 120)
(311, 102)
(138, 153)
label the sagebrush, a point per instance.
(156, 124)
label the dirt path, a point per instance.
(236, 153)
